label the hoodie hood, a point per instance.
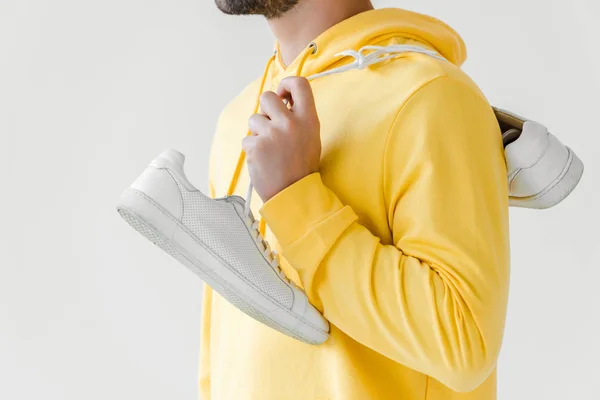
(337, 47)
(375, 27)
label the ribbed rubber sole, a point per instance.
(558, 190)
(203, 272)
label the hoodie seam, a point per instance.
(389, 134)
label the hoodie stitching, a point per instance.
(389, 134)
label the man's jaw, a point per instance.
(270, 9)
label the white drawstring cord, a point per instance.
(361, 61)
(248, 199)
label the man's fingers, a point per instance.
(272, 105)
(249, 143)
(298, 89)
(259, 124)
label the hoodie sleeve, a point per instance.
(434, 301)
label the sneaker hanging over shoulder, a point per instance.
(220, 242)
(542, 171)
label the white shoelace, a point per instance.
(270, 255)
(378, 54)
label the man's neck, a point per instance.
(309, 19)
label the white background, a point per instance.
(91, 91)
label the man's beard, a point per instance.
(271, 9)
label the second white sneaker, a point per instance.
(221, 244)
(542, 171)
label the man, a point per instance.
(384, 190)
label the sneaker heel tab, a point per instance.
(529, 148)
(169, 158)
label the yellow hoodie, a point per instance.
(401, 239)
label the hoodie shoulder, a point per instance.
(412, 71)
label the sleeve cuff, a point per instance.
(302, 206)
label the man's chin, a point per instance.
(271, 9)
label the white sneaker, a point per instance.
(542, 171)
(217, 241)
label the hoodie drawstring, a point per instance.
(377, 55)
(313, 50)
(242, 156)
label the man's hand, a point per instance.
(285, 145)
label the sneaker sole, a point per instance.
(134, 203)
(558, 190)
